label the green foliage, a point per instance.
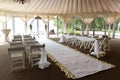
(69, 31)
(98, 23)
(118, 20)
(59, 22)
(70, 24)
(78, 24)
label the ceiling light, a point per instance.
(21, 1)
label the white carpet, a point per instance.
(77, 63)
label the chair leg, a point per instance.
(31, 60)
(23, 64)
(11, 69)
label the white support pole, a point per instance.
(57, 26)
(109, 33)
(87, 30)
(65, 25)
(113, 36)
(62, 26)
(73, 25)
(13, 25)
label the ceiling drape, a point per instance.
(25, 18)
(4, 19)
(110, 19)
(61, 7)
(65, 8)
(87, 21)
(46, 18)
(66, 18)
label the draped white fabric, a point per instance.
(97, 52)
(43, 63)
(6, 33)
(25, 18)
(96, 48)
(110, 20)
(88, 8)
(87, 30)
(4, 19)
(87, 21)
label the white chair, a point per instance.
(28, 44)
(17, 36)
(27, 36)
(104, 44)
(35, 51)
(97, 52)
(16, 44)
(17, 58)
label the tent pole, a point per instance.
(114, 25)
(48, 27)
(38, 27)
(13, 25)
(93, 24)
(57, 26)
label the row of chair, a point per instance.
(22, 48)
(17, 58)
(85, 42)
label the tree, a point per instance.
(59, 22)
(99, 24)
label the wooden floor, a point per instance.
(54, 73)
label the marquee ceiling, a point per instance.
(83, 8)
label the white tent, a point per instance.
(64, 8)
(87, 10)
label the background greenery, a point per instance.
(98, 24)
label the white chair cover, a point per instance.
(43, 63)
(61, 39)
(96, 49)
(97, 52)
(96, 46)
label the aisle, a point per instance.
(72, 62)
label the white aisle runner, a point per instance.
(77, 63)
